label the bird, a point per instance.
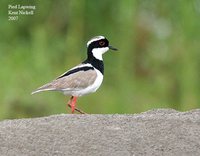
(84, 78)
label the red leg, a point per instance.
(72, 105)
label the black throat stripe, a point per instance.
(98, 64)
(75, 71)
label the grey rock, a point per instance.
(156, 132)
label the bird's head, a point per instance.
(97, 46)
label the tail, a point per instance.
(46, 87)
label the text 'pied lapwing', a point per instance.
(84, 78)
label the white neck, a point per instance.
(98, 52)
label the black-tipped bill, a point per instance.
(112, 48)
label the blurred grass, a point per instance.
(157, 65)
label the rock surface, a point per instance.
(156, 132)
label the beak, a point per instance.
(112, 48)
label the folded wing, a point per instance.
(75, 81)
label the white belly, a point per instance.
(90, 89)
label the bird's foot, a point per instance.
(76, 109)
(72, 105)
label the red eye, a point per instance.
(101, 43)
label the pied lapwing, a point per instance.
(84, 78)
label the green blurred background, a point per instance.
(157, 65)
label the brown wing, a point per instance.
(75, 81)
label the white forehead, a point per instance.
(96, 38)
